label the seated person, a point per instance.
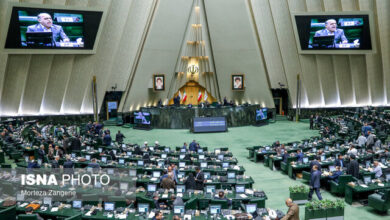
(68, 163)
(33, 164)
(94, 164)
(168, 183)
(54, 163)
(221, 196)
(158, 216)
(159, 205)
(300, 156)
(29, 211)
(377, 169)
(335, 174)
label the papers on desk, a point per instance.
(88, 213)
(209, 181)
(249, 191)
(120, 216)
(164, 196)
(363, 185)
(54, 209)
(153, 179)
(187, 217)
(24, 204)
(151, 215)
(381, 184)
(179, 195)
(243, 196)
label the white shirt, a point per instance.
(361, 140)
(378, 171)
(353, 151)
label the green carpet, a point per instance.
(274, 183)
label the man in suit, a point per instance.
(46, 25)
(340, 162)
(335, 175)
(41, 153)
(93, 164)
(199, 179)
(315, 163)
(193, 146)
(107, 139)
(300, 156)
(315, 183)
(331, 30)
(54, 163)
(119, 137)
(311, 122)
(293, 210)
(353, 167)
(59, 152)
(221, 196)
(68, 165)
(75, 144)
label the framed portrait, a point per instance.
(159, 82)
(238, 82)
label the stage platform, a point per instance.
(181, 117)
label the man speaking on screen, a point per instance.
(46, 25)
(331, 30)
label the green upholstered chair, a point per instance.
(75, 217)
(191, 204)
(120, 201)
(27, 217)
(259, 201)
(203, 204)
(380, 202)
(306, 175)
(8, 213)
(224, 203)
(339, 188)
(236, 204)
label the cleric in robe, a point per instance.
(330, 30)
(46, 25)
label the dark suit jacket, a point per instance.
(54, 164)
(338, 163)
(41, 154)
(300, 157)
(353, 168)
(293, 213)
(192, 146)
(335, 176)
(339, 35)
(315, 162)
(68, 164)
(75, 144)
(94, 165)
(315, 180)
(57, 31)
(199, 180)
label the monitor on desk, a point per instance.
(178, 209)
(215, 209)
(143, 207)
(73, 155)
(156, 174)
(140, 163)
(250, 208)
(104, 159)
(305, 160)
(151, 148)
(167, 149)
(207, 175)
(47, 201)
(367, 179)
(200, 150)
(180, 175)
(163, 156)
(123, 186)
(240, 188)
(182, 164)
(225, 164)
(129, 153)
(133, 173)
(231, 175)
(88, 157)
(109, 206)
(100, 149)
(326, 148)
(121, 161)
(332, 168)
(314, 149)
(203, 165)
(183, 150)
(182, 156)
(210, 189)
(387, 177)
(267, 148)
(160, 163)
(114, 151)
(152, 187)
(88, 148)
(368, 163)
(201, 156)
(323, 158)
(76, 204)
(220, 157)
(180, 188)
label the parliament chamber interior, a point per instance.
(194, 109)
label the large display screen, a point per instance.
(142, 118)
(334, 32)
(209, 124)
(261, 114)
(45, 28)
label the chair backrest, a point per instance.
(191, 204)
(27, 217)
(8, 213)
(344, 179)
(223, 203)
(203, 204)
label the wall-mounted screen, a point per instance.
(332, 33)
(209, 124)
(142, 118)
(49, 28)
(261, 114)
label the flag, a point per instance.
(199, 96)
(205, 95)
(184, 96)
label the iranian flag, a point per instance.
(199, 96)
(184, 96)
(205, 96)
